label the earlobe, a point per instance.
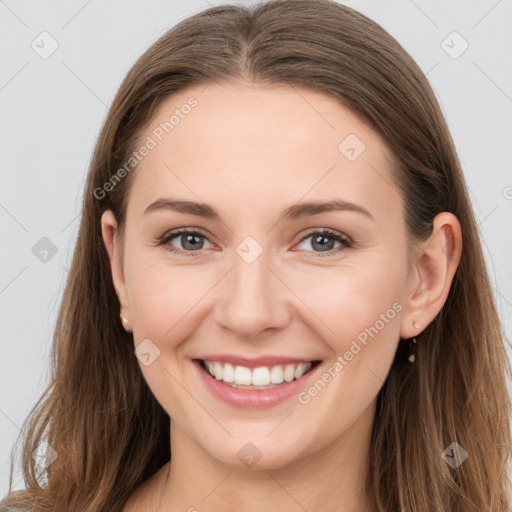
(109, 235)
(435, 262)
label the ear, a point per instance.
(434, 264)
(110, 239)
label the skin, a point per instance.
(251, 151)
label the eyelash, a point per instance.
(346, 243)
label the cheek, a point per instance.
(359, 312)
(349, 299)
(162, 296)
(163, 308)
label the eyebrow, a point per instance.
(294, 212)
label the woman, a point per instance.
(278, 297)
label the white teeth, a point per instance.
(257, 377)
(289, 372)
(276, 375)
(228, 374)
(300, 370)
(242, 375)
(260, 376)
(217, 370)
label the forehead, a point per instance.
(227, 143)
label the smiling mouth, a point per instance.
(263, 377)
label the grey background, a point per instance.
(51, 111)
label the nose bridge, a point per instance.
(253, 298)
(251, 279)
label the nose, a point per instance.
(253, 299)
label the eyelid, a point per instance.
(345, 241)
(174, 233)
(327, 231)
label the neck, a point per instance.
(330, 479)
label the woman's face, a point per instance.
(261, 284)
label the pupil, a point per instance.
(190, 238)
(321, 240)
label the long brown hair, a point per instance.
(98, 414)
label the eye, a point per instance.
(323, 241)
(190, 240)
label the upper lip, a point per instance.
(254, 362)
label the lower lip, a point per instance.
(253, 398)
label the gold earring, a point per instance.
(415, 325)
